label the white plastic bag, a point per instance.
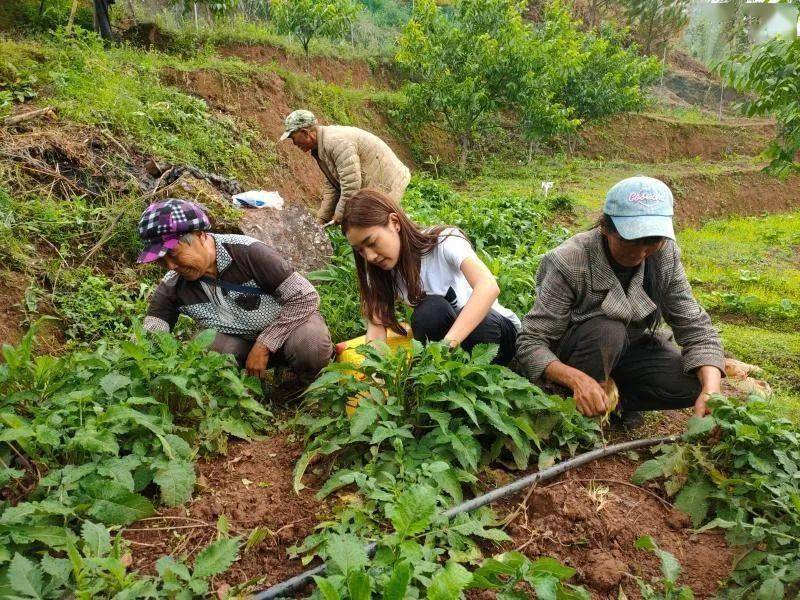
(258, 199)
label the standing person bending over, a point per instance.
(262, 309)
(600, 298)
(350, 158)
(435, 270)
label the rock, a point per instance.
(678, 520)
(604, 572)
(293, 232)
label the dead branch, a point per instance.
(48, 111)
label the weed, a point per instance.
(670, 571)
(738, 472)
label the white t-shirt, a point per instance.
(440, 274)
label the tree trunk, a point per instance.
(465, 145)
(73, 9)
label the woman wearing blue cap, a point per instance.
(600, 299)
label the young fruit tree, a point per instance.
(308, 19)
(468, 64)
(655, 23)
(770, 73)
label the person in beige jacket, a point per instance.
(351, 159)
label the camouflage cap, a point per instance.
(297, 120)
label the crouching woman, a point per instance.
(600, 298)
(435, 271)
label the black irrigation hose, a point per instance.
(306, 577)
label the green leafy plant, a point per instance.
(670, 571)
(431, 403)
(307, 19)
(769, 72)
(97, 432)
(410, 559)
(738, 471)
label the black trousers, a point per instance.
(434, 316)
(646, 368)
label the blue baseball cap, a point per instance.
(641, 207)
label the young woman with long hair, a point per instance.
(600, 299)
(435, 270)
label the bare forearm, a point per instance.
(562, 374)
(710, 378)
(474, 311)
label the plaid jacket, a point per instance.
(575, 283)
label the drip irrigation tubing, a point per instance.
(298, 581)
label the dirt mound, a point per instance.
(343, 72)
(590, 520)
(252, 487)
(699, 198)
(652, 139)
(694, 84)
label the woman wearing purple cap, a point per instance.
(601, 297)
(263, 310)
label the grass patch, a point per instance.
(748, 267)
(119, 88)
(776, 352)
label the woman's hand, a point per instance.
(257, 360)
(710, 379)
(590, 397)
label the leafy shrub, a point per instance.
(740, 473)
(769, 72)
(338, 291)
(96, 307)
(611, 79)
(96, 430)
(407, 561)
(432, 404)
(307, 19)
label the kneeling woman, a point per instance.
(600, 298)
(436, 271)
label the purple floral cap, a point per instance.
(164, 223)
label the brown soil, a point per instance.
(590, 520)
(699, 198)
(12, 289)
(252, 487)
(652, 139)
(342, 72)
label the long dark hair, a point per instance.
(652, 271)
(368, 208)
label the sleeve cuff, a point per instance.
(155, 324)
(703, 359)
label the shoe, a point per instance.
(632, 419)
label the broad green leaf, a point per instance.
(545, 585)
(176, 481)
(693, 500)
(347, 553)
(771, 589)
(448, 582)
(395, 588)
(118, 506)
(50, 535)
(114, 381)
(216, 558)
(552, 567)
(648, 470)
(96, 538)
(25, 577)
(698, 426)
(327, 589)
(366, 414)
(413, 511)
(358, 586)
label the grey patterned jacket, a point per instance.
(575, 283)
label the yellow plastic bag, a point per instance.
(350, 355)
